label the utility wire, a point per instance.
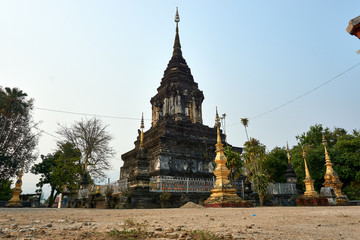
(304, 94)
(42, 131)
(87, 114)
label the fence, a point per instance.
(179, 184)
(282, 189)
(117, 186)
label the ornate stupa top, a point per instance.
(327, 157)
(217, 119)
(307, 173)
(177, 17)
(288, 153)
(290, 173)
(219, 145)
(142, 131)
(178, 97)
(142, 121)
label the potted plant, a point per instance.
(108, 194)
(164, 199)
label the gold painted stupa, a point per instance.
(15, 200)
(332, 178)
(223, 194)
(309, 182)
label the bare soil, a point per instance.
(189, 222)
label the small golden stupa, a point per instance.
(309, 182)
(332, 178)
(223, 194)
(15, 200)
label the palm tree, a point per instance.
(245, 122)
(12, 102)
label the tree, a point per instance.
(5, 190)
(254, 162)
(17, 139)
(276, 164)
(245, 123)
(93, 141)
(346, 159)
(60, 169)
(234, 162)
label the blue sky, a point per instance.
(248, 57)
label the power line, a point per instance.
(89, 114)
(302, 95)
(43, 131)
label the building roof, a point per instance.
(354, 24)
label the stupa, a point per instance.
(223, 193)
(311, 197)
(332, 178)
(177, 144)
(15, 199)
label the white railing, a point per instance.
(180, 184)
(117, 186)
(282, 188)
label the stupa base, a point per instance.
(230, 205)
(305, 201)
(221, 200)
(342, 201)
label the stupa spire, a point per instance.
(309, 182)
(288, 153)
(219, 145)
(177, 45)
(142, 131)
(332, 178)
(290, 173)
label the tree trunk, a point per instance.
(51, 198)
(261, 199)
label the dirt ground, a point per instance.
(182, 223)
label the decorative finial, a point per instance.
(219, 145)
(288, 153)
(324, 142)
(307, 174)
(177, 45)
(177, 17)
(142, 121)
(217, 119)
(142, 131)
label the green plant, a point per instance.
(165, 196)
(109, 191)
(131, 230)
(124, 234)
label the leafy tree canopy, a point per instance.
(17, 137)
(234, 162)
(276, 164)
(60, 169)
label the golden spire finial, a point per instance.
(177, 17)
(142, 131)
(288, 153)
(307, 174)
(219, 145)
(324, 142)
